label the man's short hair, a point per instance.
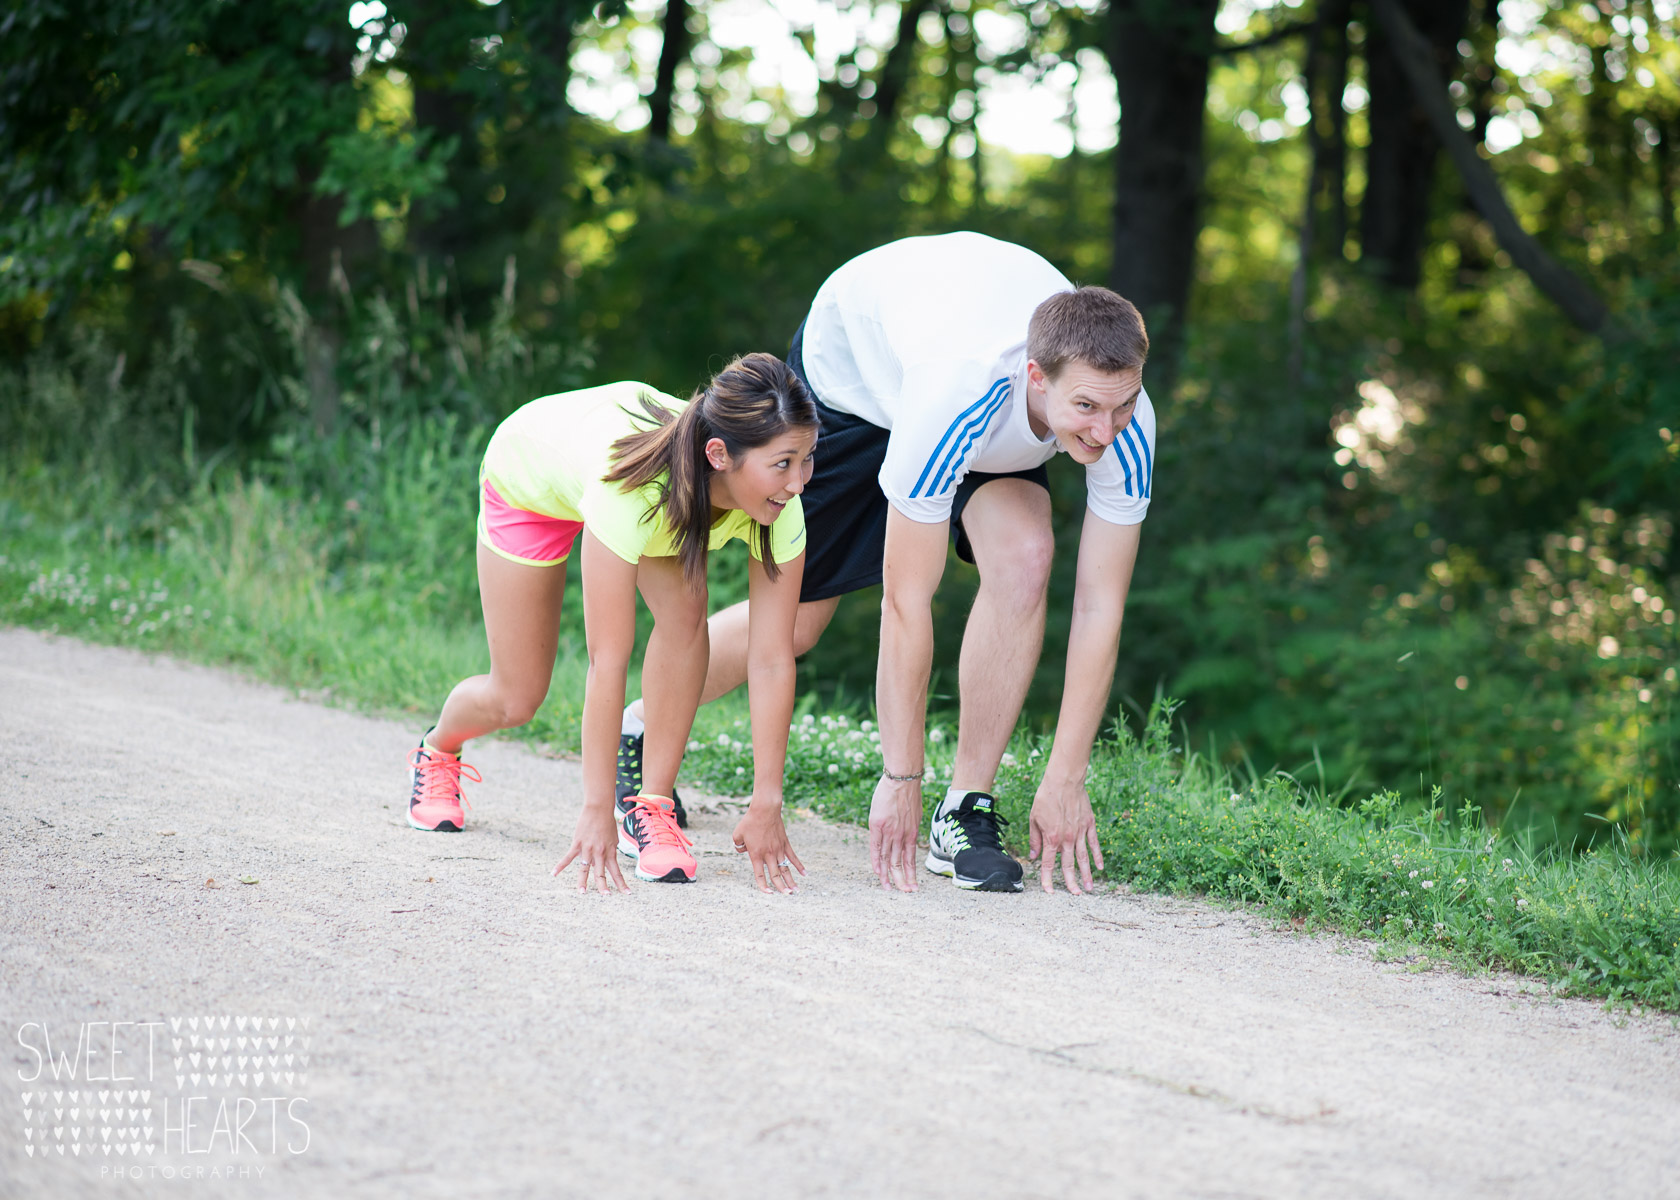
(1091, 325)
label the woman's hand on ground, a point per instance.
(762, 837)
(895, 822)
(595, 847)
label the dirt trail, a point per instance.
(473, 1027)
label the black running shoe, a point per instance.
(966, 845)
(630, 774)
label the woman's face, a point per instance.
(761, 481)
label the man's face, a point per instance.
(1086, 408)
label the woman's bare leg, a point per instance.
(673, 669)
(522, 621)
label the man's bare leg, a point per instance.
(1008, 525)
(728, 628)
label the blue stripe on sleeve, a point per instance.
(956, 430)
(1137, 461)
(1148, 463)
(1124, 465)
(949, 434)
(959, 450)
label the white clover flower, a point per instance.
(740, 770)
(867, 726)
(1427, 884)
(693, 745)
(1035, 753)
(1522, 903)
(936, 736)
(875, 736)
(1506, 864)
(736, 746)
(1411, 875)
(833, 768)
(723, 739)
(1235, 797)
(1409, 923)
(807, 719)
(1439, 926)
(1008, 760)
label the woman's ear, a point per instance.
(717, 454)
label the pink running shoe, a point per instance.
(648, 832)
(434, 791)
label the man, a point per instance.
(948, 370)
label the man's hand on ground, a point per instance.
(895, 821)
(1062, 823)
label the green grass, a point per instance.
(243, 574)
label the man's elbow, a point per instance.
(905, 605)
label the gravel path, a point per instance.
(461, 1024)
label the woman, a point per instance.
(651, 483)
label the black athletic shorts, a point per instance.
(845, 509)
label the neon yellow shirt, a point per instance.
(550, 455)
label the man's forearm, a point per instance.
(901, 683)
(1107, 555)
(1093, 650)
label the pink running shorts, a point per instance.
(523, 536)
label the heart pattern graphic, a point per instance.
(216, 1051)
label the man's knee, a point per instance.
(1008, 525)
(1019, 572)
(810, 621)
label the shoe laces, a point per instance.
(440, 777)
(982, 826)
(657, 823)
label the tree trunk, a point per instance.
(1663, 161)
(550, 26)
(434, 53)
(895, 72)
(1333, 147)
(1307, 236)
(326, 249)
(1159, 53)
(671, 54)
(1400, 161)
(1574, 295)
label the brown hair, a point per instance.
(750, 403)
(1091, 325)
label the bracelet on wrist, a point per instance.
(886, 774)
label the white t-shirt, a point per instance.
(927, 337)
